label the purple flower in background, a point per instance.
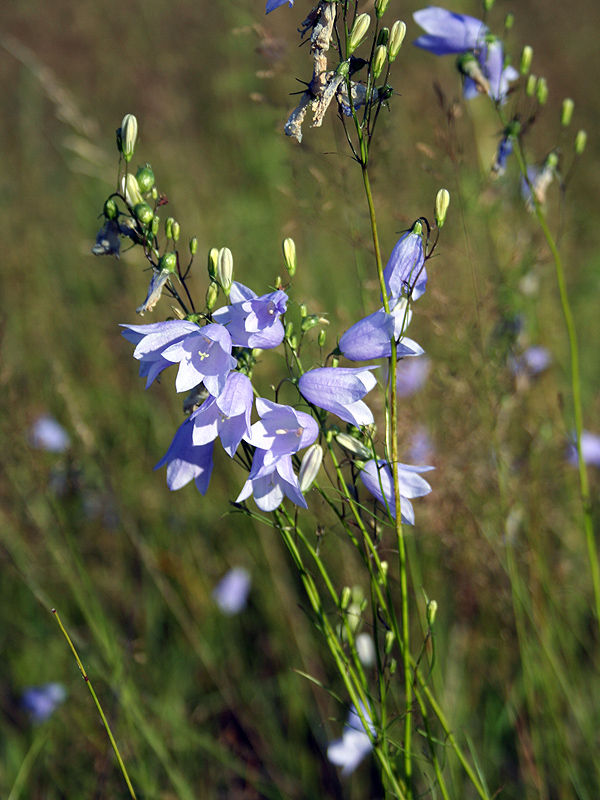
(270, 480)
(411, 375)
(47, 434)
(253, 321)
(226, 416)
(405, 269)
(152, 340)
(371, 337)
(273, 4)
(41, 702)
(281, 430)
(377, 478)
(420, 447)
(355, 743)
(533, 361)
(340, 391)
(231, 592)
(204, 356)
(590, 449)
(187, 462)
(505, 149)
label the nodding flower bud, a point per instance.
(389, 642)
(289, 329)
(167, 262)
(358, 32)
(111, 210)
(381, 7)
(442, 201)
(379, 60)
(321, 338)
(580, 142)
(309, 469)
(154, 193)
(567, 112)
(509, 21)
(294, 342)
(225, 269)
(392, 666)
(541, 91)
(530, 85)
(193, 246)
(143, 213)
(397, 34)
(129, 131)
(431, 612)
(213, 258)
(289, 256)
(383, 36)
(211, 295)
(303, 310)
(526, 59)
(345, 598)
(169, 227)
(130, 190)
(145, 178)
(353, 446)
(309, 322)
(155, 224)
(175, 231)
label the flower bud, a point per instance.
(145, 178)
(289, 256)
(321, 338)
(308, 323)
(155, 224)
(392, 666)
(289, 329)
(345, 598)
(567, 112)
(442, 201)
(509, 21)
(111, 210)
(154, 193)
(487, 5)
(130, 190)
(278, 282)
(530, 85)
(397, 34)
(294, 342)
(389, 642)
(431, 612)
(143, 213)
(541, 91)
(384, 568)
(353, 446)
(167, 262)
(211, 295)
(335, 362)
(193, 246)
(358, 33)
(580, 142)
(175, 231)
(225, 269)
(384, 36)
(309, 469)
(379, 60)
(526, 59)
(169, 227)
(213, 258)
(381, 7)
(129, 131)
(303, 310)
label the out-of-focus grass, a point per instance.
(205, 706)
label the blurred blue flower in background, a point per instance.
(231, 592)
(377, 478)
(355, 743)
(41, 702)
(47, 434)
(411, 374)
(590, 449)
(533, 361)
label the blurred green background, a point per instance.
(208, 706)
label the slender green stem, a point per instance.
(97, 702)
(37, 744)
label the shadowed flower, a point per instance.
(270, 480)
(226, 416)
(187, 462)
(355, 743)
(377, 478)
(231, 592)
(411, 375)
(340, 391)
(405, 269)
(41, 702)
(505, 149)
(47, 434)
(590, 450)
(273, 4)
(281, 431)
(253, 321)
(370, 338)
(157, 284)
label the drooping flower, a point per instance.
(41, 702)
(152, 340)
(253, 321)
(377, 478)
(47, 434)
(231, 592)
(355, 743)
(505, 148)
(226, 416)
(405, 272)
(204, 355)
(590, 449)
(411, 375)
(153, 295)
(271, 479)
(370, 338)
(273, 4)
(281, 430)
(340, 390)
(187, 461)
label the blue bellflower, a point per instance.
(187, 462)
(204, 356)
(505, 149)
(226, 416)
(281, 430)
(48, 434)
(355, 743)
(377, 478)
(340, 390)
(411, 375)
(41, 702)
(271, 479)
(231, 592)
(253, 321)
(152, 340)
(405, 272)
(273, 4)
(370, 338)
(590, 450)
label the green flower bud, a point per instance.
(530, 85)
(225, 269)
(193, 246)
(129, 131)
(566, 116)
(526, 59)
(345, 598)
(417, 228)
(353, 446)
(289, 329)
(130, 190)
(278, 282)
(321, 338)
(389, 642)
(343, 68)
(335, 362)
(303, 310)
(509, 21)
(111, 209)
(379, 60)
(211, 295)
(145, 178)
(580, 142)
(175, 231)
(392, 666)
(294, 342)
(169, 227)
(168, 262)
(154, 193)
(551, 161)
(397, 34)
(213, 258)
(383, 36)
(358, 33)
(431, 612)
(381, 7)
(442, 201)
(289, 256)
(155, 224)
(309, 469)
(384, 569)
(308, 323)
(144, 213)
(541, 91)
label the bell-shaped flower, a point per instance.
(371, 337)
(41, 702)
(152, 340)
(355, 743)
(226, 416)
(253, 321)
(273, 4)
(340, 390)
(48, 434)
(204, 355)
(231, 592)
(271, 479)
(157, 284)
(377, 478)
(404, 273)
(187, 461)
(281, 430)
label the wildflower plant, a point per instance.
(329, 439)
